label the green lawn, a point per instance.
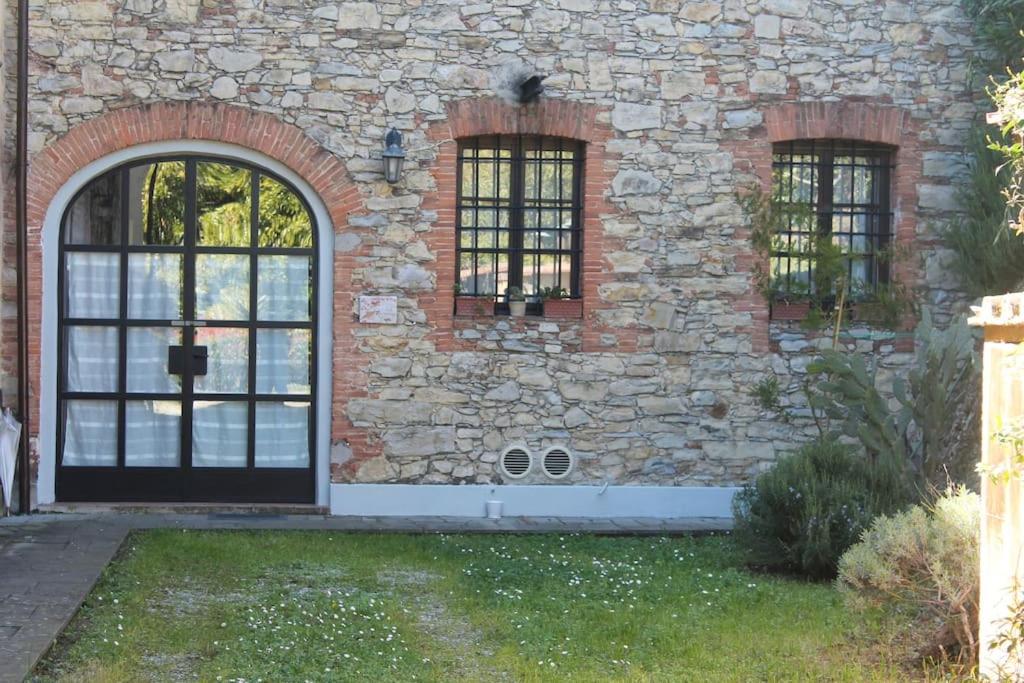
(322, 606)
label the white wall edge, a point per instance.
(47, 421)
(438, 500)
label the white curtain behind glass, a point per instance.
(282, 291)
(154, 286)
(93, 285)
(222, 287)
(90, 434)
(152, 434)
(147, 359)
(92, 358)
(220, 434)
(282, 361)
(282, 434)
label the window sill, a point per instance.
(795, 311)
(503, 316)
(473, 306)
(483, 307)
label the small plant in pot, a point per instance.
(516, 301)
(791, 303)
(557, 304)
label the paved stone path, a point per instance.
(46, 570)
(50, 562)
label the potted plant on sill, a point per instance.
(557, 304)
(790, 309)
(891, 304)
(472, 304)
(516, 301)
(888, 306)
(790, 303)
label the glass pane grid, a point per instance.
(844, 185)
(126, 267)
(518, 215)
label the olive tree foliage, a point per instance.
(1009, 99)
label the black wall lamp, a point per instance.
(394, 156)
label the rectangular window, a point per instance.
(518, 216)
(846, 187)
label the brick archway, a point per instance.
(185, 122)
(124, 128)
(840, 120)
(846, 120)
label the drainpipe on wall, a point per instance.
(21, 260)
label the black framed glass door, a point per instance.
(188, 334)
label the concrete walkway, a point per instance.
(50, 562)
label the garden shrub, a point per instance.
(923, 563)
(933, 423)
(986, 253)
(804, 513)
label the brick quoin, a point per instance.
(124, 128)
(558, 118)
(853, 120)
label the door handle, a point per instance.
(176, 360)
(199, 358)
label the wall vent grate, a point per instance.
(516, 462)
(557, 462)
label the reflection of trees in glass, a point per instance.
(163, 203)
(228, 360)
(223, 205)
(222, 287)
(299, 359)
(284, 221)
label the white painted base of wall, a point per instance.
(593, 502)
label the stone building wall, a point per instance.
(682, 101)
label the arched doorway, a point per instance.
(187, 333)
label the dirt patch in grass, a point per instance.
(184, 602)
(439, 624)
(176, 667)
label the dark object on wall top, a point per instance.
(517, 82)
(530, 89)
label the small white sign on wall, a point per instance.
(378, 309)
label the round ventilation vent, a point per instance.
(516, 462)
(557, 462)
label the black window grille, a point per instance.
(519, 216)
(846, 185)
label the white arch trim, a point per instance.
(49, 343)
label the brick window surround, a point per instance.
(578, 121)
(123, 128)
(859, 121)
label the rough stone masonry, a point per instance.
(654, 386)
